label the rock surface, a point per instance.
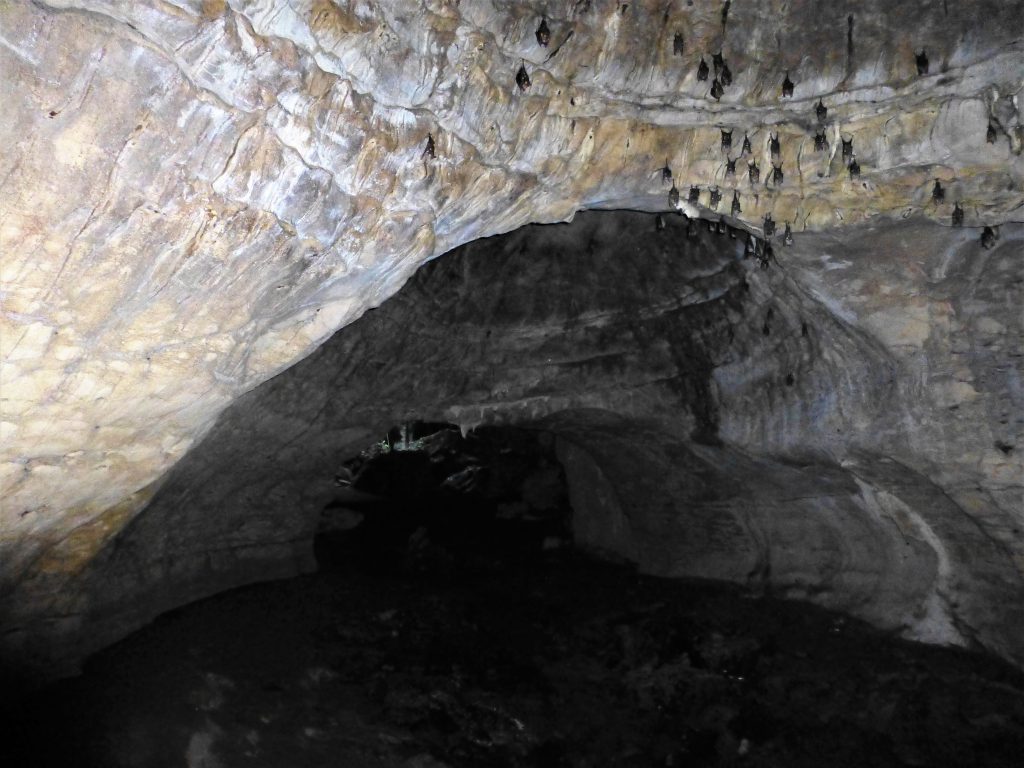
(196, 195)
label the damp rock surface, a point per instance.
(532, 660)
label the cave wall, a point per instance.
(715, 420)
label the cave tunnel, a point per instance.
(455, 384)
(600, 493)
(426, 498)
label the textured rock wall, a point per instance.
(197, 194)
(715, 420)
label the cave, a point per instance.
(464, 384)
(610, 443)
(430, 500)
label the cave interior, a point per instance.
(572, 497)
(450, 383)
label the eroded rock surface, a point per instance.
(196, 195)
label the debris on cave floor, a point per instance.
(552, 660)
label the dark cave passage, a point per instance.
(712, 420)
(427, 498)
(552, 505)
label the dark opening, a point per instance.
(427, 498)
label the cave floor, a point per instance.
(550, 659)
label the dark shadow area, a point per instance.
(428, 499)
(662, 401)
(714, 419)
(452, 624)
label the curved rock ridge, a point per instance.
(197, 194)
(847, 442)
